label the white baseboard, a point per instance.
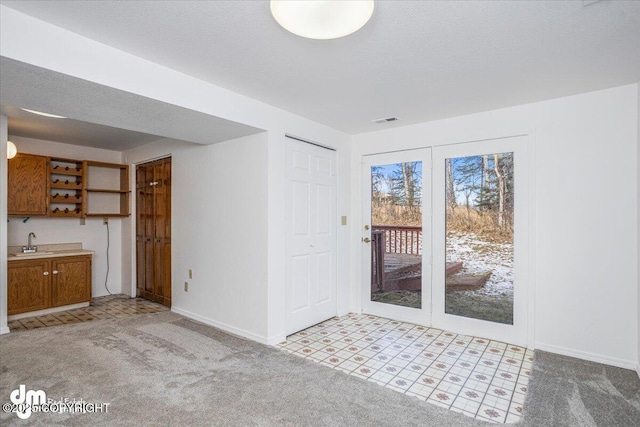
(592, 357)
(276, 339)
(4, 330)
(231, 329)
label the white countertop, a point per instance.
(48, 251)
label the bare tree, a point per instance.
(451, 194)
(500, 181)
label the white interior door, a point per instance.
(396, 235)
(481, 237)
(311, 234)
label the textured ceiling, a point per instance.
(419, 60)
(118, 121)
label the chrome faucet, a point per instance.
(29, 249)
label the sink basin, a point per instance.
(32, 253)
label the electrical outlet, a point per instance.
(186, 286)
(105, 221)
(190, 274)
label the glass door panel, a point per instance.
(394, 234)
(479, 237)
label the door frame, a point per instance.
(414, 315)
(528, 136)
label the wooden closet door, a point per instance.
(140, 228)
(149, 233)
(166, 231)
(153, 235)
(162, 251)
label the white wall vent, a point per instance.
(386, 119)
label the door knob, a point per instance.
(55, 271)
(366, 240)
(46, 273)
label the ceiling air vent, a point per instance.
(385, 120)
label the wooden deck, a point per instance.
(403, 272)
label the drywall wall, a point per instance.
(585, 219)
(56, 49)
(93, 234)
(3, 226)
(638, 218)
(219, 230)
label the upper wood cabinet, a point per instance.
(67, 188)
(27, 185)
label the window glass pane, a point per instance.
(479, 237)
(396, 237)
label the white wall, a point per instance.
(93, 234)
(585, 219)
(3, 225)
(638, 260)
(219, 230)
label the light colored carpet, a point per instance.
(164, 369)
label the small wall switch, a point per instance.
(190, 274)
(344, 220)
(186, 286)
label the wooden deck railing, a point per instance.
(400, 239)
(377, 260)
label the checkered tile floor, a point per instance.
(107, 307)
(480, 378)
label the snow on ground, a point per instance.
(479, 256)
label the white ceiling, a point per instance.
(104, 117)
(418, 60)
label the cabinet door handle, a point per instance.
(55, 271)
(46, 273)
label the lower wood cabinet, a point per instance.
(28, 286)
(50, 282)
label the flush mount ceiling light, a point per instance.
(40, 113)
(12, 150)
(322, 19)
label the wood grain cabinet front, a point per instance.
(70, 280)
(27, 185)
(28, 286)
(51, 282)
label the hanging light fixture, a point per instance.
(322, 19)
(12, 150)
